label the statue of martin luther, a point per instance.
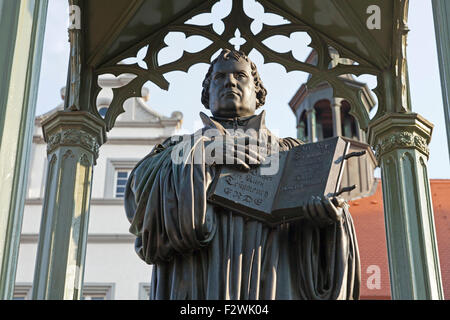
(203, 251)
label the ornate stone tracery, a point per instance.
(236, 23)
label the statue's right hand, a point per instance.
(324, 211)
(237, 152)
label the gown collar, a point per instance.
(255, 122)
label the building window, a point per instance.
(22, 291)
(120, 182)
(144, 291)
(349, 128)
(324, 120)
(98, 292)
(116, 176)
(302, 128)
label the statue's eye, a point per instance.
(240, 75)
(218, 76)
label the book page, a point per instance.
(306, 174)
(249, 189)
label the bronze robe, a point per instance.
(202, 251)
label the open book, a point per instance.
(313, 169)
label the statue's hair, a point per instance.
(226, 54)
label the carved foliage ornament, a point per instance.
(236, 20)
(401, 140)
(73, 137)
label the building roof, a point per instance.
(368, 217)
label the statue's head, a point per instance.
(232, 86)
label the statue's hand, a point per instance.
(237, 152)
(324, 211)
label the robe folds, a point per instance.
(203, 251)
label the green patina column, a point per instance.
(441, 12)
(22, 28)
(400, 139)
(401, 144)
(73, 140)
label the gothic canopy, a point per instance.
(371, 34)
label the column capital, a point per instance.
(400, 131)
(336, 102)
(310, 110)
(74, 128)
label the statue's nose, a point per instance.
(230, 81)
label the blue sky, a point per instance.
(185, 90)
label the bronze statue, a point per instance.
(204, 251)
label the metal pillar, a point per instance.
(73, 139)
(400, 139)
(22, 28)
(441, 12)
(401, 144)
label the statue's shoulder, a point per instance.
(170, 142)
(160, 147)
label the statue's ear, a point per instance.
(259, 100)
(205, 98)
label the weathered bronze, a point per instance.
(206, 251)
(306, 171)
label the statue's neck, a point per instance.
(256, 122)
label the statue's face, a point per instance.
(232, 89)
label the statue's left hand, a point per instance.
(324, 211)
